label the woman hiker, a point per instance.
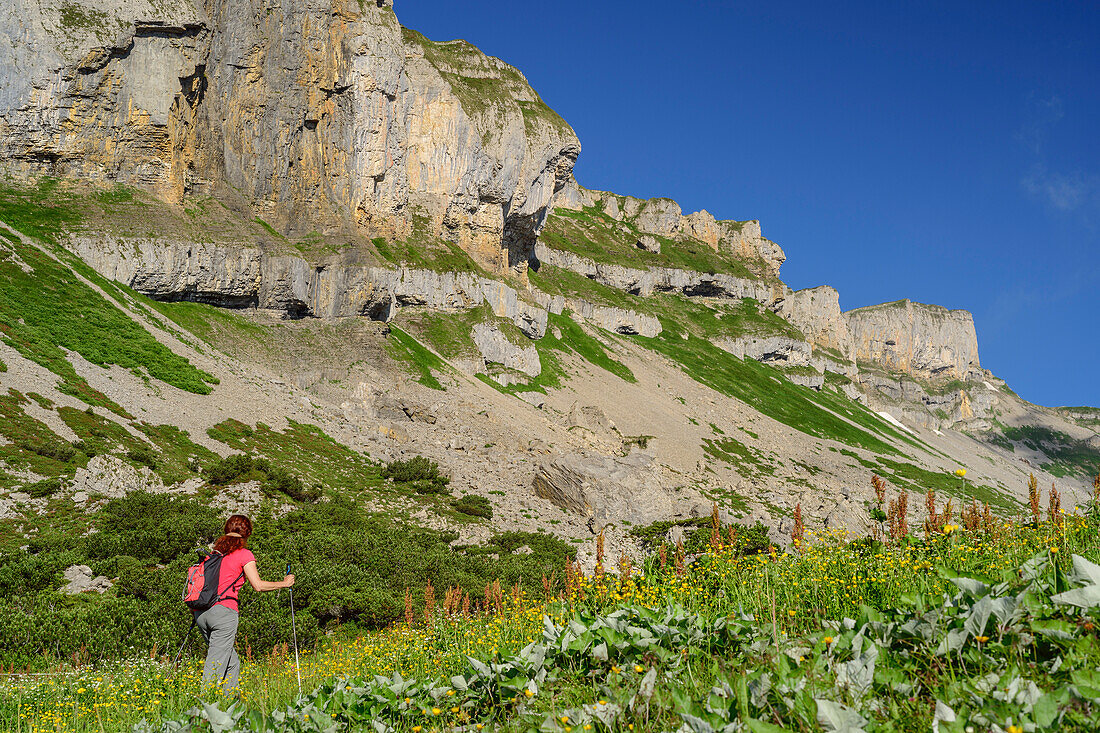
(218, 623)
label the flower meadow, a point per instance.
(991, 627)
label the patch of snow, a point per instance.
(895, 422)
(990, 386)
(937, 432)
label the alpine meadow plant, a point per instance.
(731, 643)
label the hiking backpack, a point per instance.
(200, 591)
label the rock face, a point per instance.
(248, 277)
(665, 217)
(314, 111)
(816, 312)
(604, 489)
(329, 116)
(912, 338)
(496, 348)
(80, 580)
(660, 279)
(114, 478)
(769, 349)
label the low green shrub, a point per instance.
(56, 450)
(44, 488)
(353, 568)
(420, 473)
(155, 528)
(144, 456)
(474, 506)
(747, 539)
(273, 479)
(232, 469)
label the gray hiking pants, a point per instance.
(218, 626)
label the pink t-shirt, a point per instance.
(231, 577)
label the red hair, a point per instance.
(238, 524)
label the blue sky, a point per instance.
(944, 152)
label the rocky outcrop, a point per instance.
(496, 348)
(609, 318)
(605, 489)
(589, 417)
(97, 89)
(81, 580)
(781, 350)
(806, 378)
(114, 478)
(660, 279)
(617, 320)
(816, 312)
(972, 404)
(249, 277)
(318, 113)
(923, 340)
(664, 217)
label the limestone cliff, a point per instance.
(318, 113)
(816, 312)
(328, 116)
(664, 217)
(913, 338)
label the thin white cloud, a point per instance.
(1042, 115)
(1064, 192)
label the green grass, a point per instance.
(916, 479)
(766, 390)
(207, 322)
(99, 434)
(424, 250)
(574, 339)
(48, 310)
(746, 460)
(421, 361)
(448, 333)
(31, 445)
(568, 284)
(42, 211)
(1068, 456)
(268, 228)
(176, 451)
(305, 451)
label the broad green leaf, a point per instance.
(978, 616)
(761, 726)
(1054, 628)
(697, 725)
(943, 714)
(1085, 597)
(648, 683)
(1087, 682)
(836, 717)
(1084, 571)
(1045, 711)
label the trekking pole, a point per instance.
(294, 631)
(185, 641)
